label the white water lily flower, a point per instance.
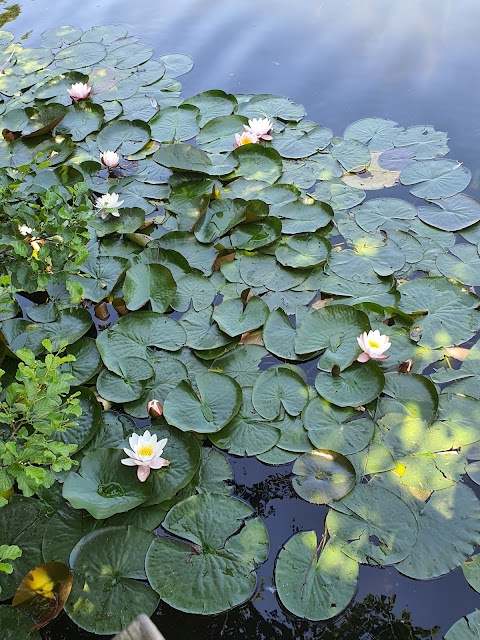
(109, 203)
(260, 127)
(25, 230)
(373, 344)
(145, 453)
(79, 91)
(110, 159)
(246, 137)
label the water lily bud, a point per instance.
(110, 159)
(79, 91)
(155, 409)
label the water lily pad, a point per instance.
(152, 283)
(322, 476)
(124, 136)
(87, 422)
(15, 623)
(218, 134)
(335, 428)
(448, 530)
(384, 213)
(270, 106)
(424, 141)
(312, 585)
(338, 194)
(378, 134)
(242, 364)
(220, 216)
(353, 387)
(103, 486)
(234, 318)
(202, 333)
(467, 628)
(221, 545)
(451, 214)
(279, 388)
(436, 178)
(256, 234)
(80, 55)
(81, 119)
(110, 590)
(134, 334)
(373, 526)
(298, 217)
(444, 313)
(258, 163)
(471, 571)
(248, 434)
(218, 401)
(334, 329)
(129, 385)
(303, 250)
(175, 124)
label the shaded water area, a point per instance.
(412, 62)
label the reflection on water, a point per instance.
(9, 13)
(412, 62)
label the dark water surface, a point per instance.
(414, 61)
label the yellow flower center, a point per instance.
(245, 141)
(373, 344)
(145, 450)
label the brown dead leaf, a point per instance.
(459, 353)
(252, 337)
(229, 257)
(319, 304)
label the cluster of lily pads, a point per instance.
(231, 263)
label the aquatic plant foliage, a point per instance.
(231, 260)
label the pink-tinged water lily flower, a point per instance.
(373, 344)
(260, 127)
(108, 204)
(246, 137)
(155, 409)
(110, 159)
(79, 91)
(146, 453)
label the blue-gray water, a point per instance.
(413, 61)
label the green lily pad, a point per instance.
(298, 217)
(303, 250)
(221, 546)
(103, 486)
(373, 526)
(279, 388)
(248, 434)
(353, 387)
(448, 530)
(336, 428)
(175, 124)
(312, 585)
(242, 364)
(378, 134)
(16, 624)
(218, 401)
(80, 55)
(451, 214)
(134, 334)
(258, 163)
(444, 313)
(124, 136)
(81, 119)
(471, 571)
(338, 194)
(384, 213)
(234, 318)
(110, 590)
(467, 628)
(22, 524)
(436, 178)
(87, 361)
(256, 234)
(87, 422)
(462, 263)
(129, 385)
(218, 135)
(323, 475)
(152, 283)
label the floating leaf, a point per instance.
(234, 318)
(219, 399)
(353, 387)
(110, 589)
(373, 526)
(451, 214)
(222, 546)
(436, 178)
(312, 585)
(322, 476)
(123, 136)
(151, 283)
(276, 389)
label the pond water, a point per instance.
(412, 62)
